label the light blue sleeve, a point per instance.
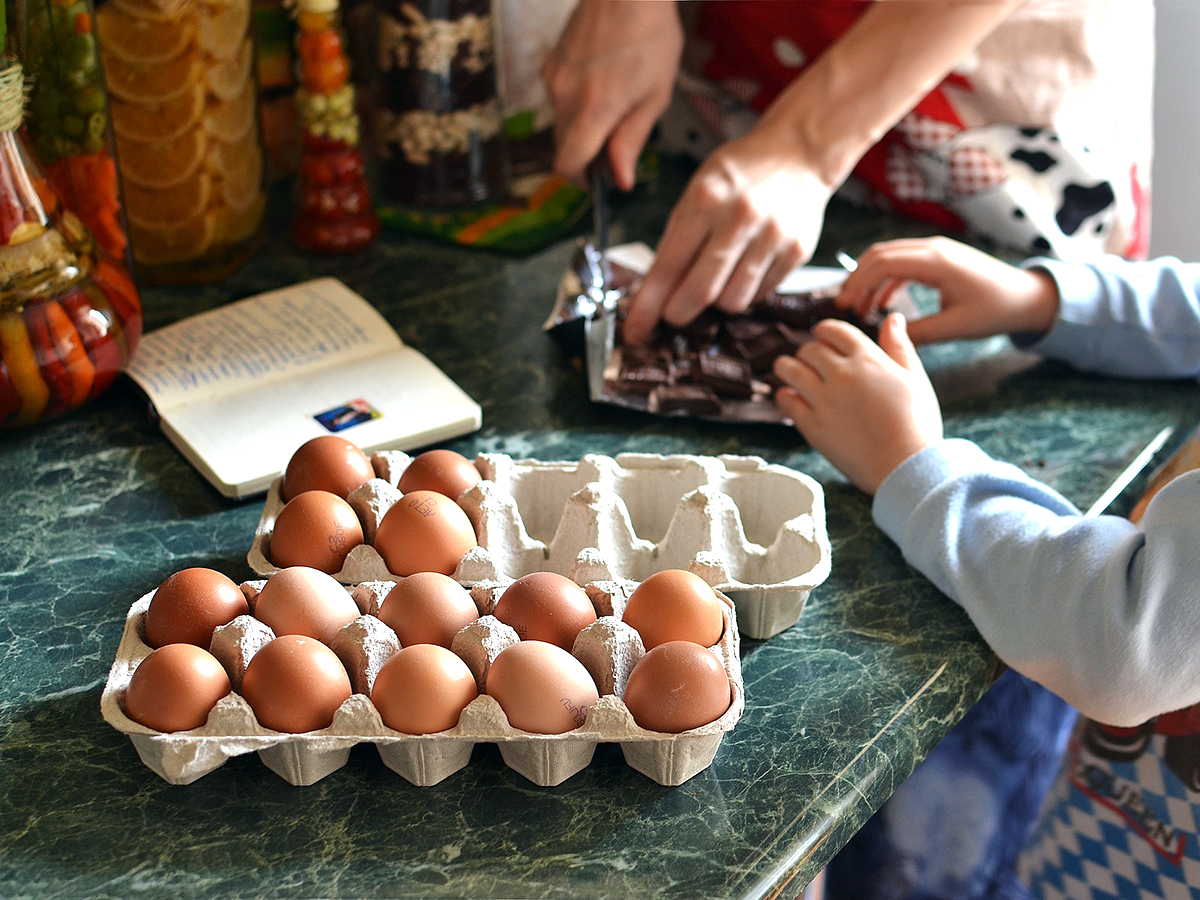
(1101, 611)
(1129, 319)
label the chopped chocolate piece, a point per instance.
(798, 310)
(685, 399)
(703, 328)
(797, 337)
(680, 346)
(641, 355)
(727, 375)
(683, 369)
(642, 369)
(760, 351)
(745, 328)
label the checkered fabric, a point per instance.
(1116, 831)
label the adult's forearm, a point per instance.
(869, 79)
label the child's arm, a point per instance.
(1136, 319)
(1100, 611)
(980, 295)
(865, 407)
(1131, 319)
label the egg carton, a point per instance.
(755, 531)
(608, 649)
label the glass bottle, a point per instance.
(67, 118)
(184, 106)
(70, 316)
(334, 213)
(438, 124)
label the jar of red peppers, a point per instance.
(184, 104)
(334, 213)
(69, 313)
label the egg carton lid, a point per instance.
(302, 759)
(756, 531)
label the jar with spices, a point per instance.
(184, 106)
(439, 124)
(70, 316)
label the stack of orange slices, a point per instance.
(184, 113)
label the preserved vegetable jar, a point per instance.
(439, 124)
(334, 213)
(69, 313)
(184, 104)
(67, 118)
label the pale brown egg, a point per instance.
(175, 688)
(424, 532)
(295, 684)
(675, 605)
(423, 689)
(444, 471)
(427, 608)
(541, 687)
(677, 686)
(303, 600)
(190, 604)
(326, 463)
(546, 606)
(316, 529)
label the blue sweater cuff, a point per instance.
(1073, 329)
(915, 478)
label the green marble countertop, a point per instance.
(98, 508)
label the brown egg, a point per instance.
(677, 686)
(326, 463)
(189, 604)
(175, 688)
(546, 606)
(423, 689)
(541, 687)
(443, 471)
(427, 608)
(675, 605)
(295, 684)
(316, 529)
(424, 532)
(303, 600)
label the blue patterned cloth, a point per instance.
(954, 829)
(1120, 822)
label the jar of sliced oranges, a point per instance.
(184, 106)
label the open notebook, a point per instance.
(237, 389)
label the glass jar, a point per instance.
(184, 106)
(333, 210)
(67, 118)
(438, 124)
(70, 316)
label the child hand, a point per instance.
(980, 295)
(865, 408)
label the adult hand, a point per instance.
(609, 78)
(865, 408)
(751, 213)
(980, 295)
